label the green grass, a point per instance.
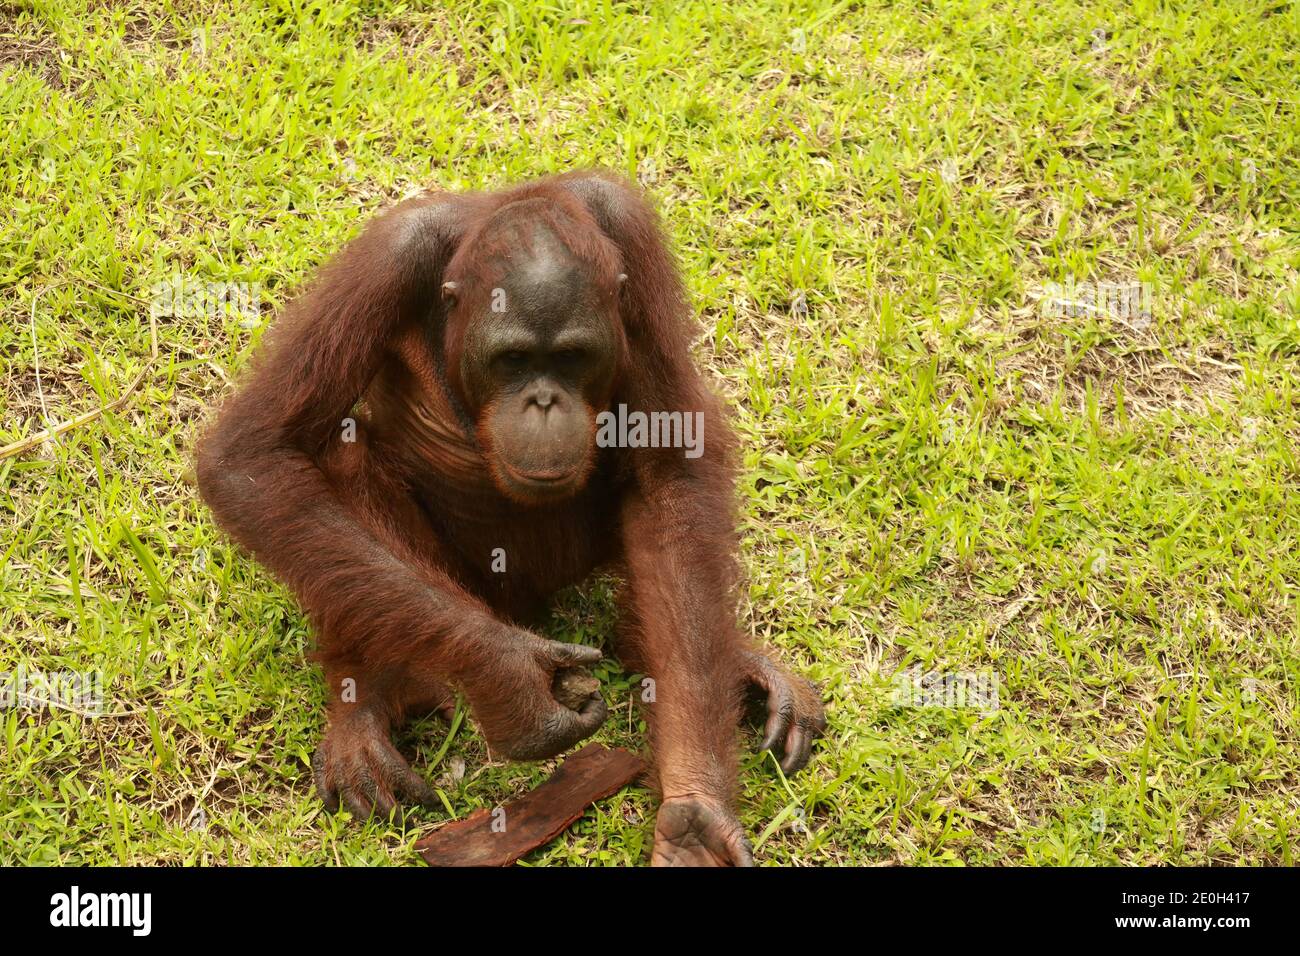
(1102, 513)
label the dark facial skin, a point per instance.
(537, 360)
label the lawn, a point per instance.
(912, 233)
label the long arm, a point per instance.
(679, 547)
(679, 544)
(258, 466)
(391, 620)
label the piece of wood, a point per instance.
(500, 837)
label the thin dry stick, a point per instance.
(31, 441)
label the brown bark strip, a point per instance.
(537, 817)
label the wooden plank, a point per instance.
(502, 836)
